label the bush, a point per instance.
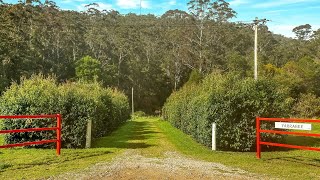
(88, 69)
(37, 96)
(308, 106)
(232, 103)
(77, 102)
(140, 114)
(120, 102)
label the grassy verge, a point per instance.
(141, 134)
(21, 163)
(306, 141)
(293, 164)
(32, 163)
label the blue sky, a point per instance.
(285, 14)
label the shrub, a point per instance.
(121, 108)
(232, 103)
(139, 114)
(308, 106)
(88, 69)
(77, 102)
(37, 96)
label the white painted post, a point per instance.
(88, 136)
(132, 113)
(214, 126)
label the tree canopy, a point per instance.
(155, 55)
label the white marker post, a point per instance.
(132, 107)
(214, 127)
(89, 132)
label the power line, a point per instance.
(258, 21)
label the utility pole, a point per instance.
(140, 6)
(256, 24)
(255, 27)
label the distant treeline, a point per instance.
(155, 55)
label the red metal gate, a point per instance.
(258, 131)
(57, 129)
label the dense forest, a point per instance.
(153, 54)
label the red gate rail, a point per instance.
(57, 129)
(258, 131)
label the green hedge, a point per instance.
(121, 108)
(232, 103)
(37, 96)
(76, 102)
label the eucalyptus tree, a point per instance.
(303, 32)
(207, 15)
(178, 59)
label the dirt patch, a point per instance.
(133, 166)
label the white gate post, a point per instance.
(214, 126)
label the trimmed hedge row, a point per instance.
(76, 102)
(232, 103)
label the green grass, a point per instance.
(21, 163)
(32, 163)
(141, 135)
(304, 140)
(152, 137)
(289, 164)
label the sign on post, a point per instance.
(295, 126)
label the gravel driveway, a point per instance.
(132, 165)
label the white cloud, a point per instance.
(238, 2)
(167, 5)
(104, 6)
(275, 11)
(81, 7)
(172, 2)
(275, 3)
(286, 30)
(133, 4)
(316, 27)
